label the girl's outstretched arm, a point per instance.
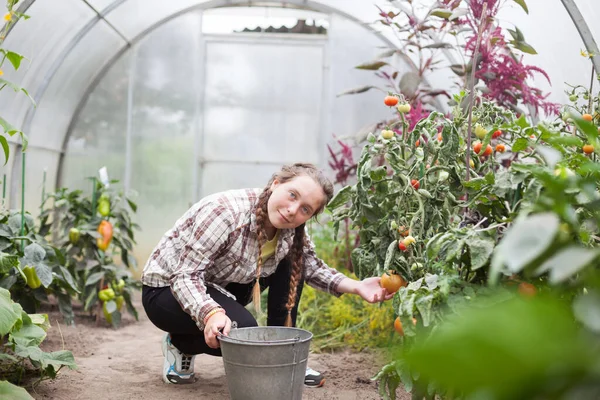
(369, 289)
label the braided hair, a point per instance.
(286, 174)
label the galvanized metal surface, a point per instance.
(265, 363)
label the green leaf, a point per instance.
(8, 315)
(586, 127)
(5, 147)
(515, 339)
(34, 253)
(7, 261)
(522, 4)
(522, 122)
(15, 59)
(361, 89)
(587, 310)
(341, 198)
(480, 251)
(524, 47)
(520, 145)
(132, 205)
(40, 320)
(527, 239)
(13, 392)
(44, 273)
(371, 66)
(29, 335)
(409, 83)
(54, 359)
(552, 156)
(442, 13)
(8, 128)
(94, 278)
(568, 262)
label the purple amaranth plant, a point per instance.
(503, 73)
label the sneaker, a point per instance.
(177, 367)
(313, 379)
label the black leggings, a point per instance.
(166, 313)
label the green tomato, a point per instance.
(403, 108)
(573, 97)
(480, 131)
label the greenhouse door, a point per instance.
(263, 106)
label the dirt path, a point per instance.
(126, 364)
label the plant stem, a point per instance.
(472, 88)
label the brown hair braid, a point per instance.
(286, 174)
(261, 214)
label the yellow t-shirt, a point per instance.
(269, 247)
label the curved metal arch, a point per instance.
(572, 9)
(299, 4)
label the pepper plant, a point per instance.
(93, 231)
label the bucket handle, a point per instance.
(282, 341)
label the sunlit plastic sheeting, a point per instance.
(98, 136)
(263, 100)
(550, 30)
(42, 40)
(239, 175)
(166, 95)
(353, 115)
(68, 86)
(37, 162)
(101, 5)
(132, 17)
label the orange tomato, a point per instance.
(417, 143)
(440, 137)
(392, 281)
(487, 151)
(500, 148)
(477, 147)
(390, 101)
(398, 326)
(587, 117)
(404, 231)
(588, 149)
(527, 289)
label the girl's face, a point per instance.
(292, 203)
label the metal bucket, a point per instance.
(265, 363)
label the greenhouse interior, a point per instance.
(437, 161)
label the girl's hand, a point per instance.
(370, 290)
(214, 324)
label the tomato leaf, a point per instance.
(526, 240)
(480, 251)
(587, 310)
(568, 262)
(520, 145)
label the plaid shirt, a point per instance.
(215, 243)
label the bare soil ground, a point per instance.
(126, 364)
